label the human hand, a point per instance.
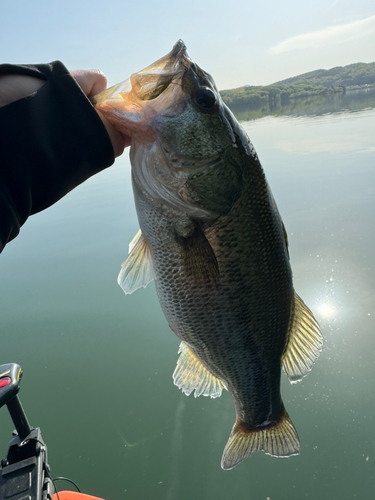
(92, 82)
(14, 87)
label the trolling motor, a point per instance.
(24, 473)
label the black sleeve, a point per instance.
(50, 141)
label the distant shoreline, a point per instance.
(354, 99)
(356, 76)
(360, 87)
(258, 98)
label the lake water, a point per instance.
(98, 364)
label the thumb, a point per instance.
(91, 81)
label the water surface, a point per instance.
(98, 365)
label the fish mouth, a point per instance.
(130, 105)
(152, 81)
(172, 63)
(174, 69)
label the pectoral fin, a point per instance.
(137, 270)
(304, 342)
(199, 259)
(191, 375)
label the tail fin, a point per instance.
(278, 440)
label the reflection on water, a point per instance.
(98, 365)
(177, 450)
(288, 134)
(353, 100)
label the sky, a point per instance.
(238, 43)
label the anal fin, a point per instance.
(304, 342)
(137, 270)
(191, 375)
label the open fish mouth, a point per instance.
(150, 82)
(132, 104)
(153, 80)
(172, 63)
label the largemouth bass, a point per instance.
(212, 238)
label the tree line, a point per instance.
(314, 83)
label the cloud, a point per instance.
(332, 35)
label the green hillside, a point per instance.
(320, 82)
(341, 76)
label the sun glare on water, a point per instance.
(326, 310)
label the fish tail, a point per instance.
(279, 440)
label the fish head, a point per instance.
(184, 139)
(131, 104)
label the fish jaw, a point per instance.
(131, 104)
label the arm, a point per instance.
(51, 139)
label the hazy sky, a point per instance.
(238, 42)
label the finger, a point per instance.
(119, 141)
(91, 81)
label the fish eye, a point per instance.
(205, 98)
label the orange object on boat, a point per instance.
(73, 495)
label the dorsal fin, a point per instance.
(304, 342)
(137, 270)
(191, 375)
